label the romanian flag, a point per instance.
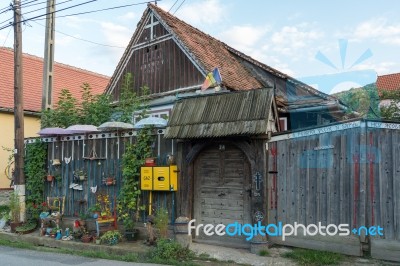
(212, 79)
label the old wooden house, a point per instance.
(219, 137)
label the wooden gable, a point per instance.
(156, 60)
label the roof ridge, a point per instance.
(35, 57)
(391, 74)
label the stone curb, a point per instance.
(70, 245)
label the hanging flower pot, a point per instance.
(50, 178)
(110, 181)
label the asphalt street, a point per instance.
(24, 257)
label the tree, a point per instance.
(96, 109)
(391, 111)
(364, 101)
(65, 114)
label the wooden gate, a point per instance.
(221, 196)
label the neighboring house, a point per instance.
(388, 83)
(64, 77)
(223, 133)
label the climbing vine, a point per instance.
(35, 161)
(132, 159)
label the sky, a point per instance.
(299, 38)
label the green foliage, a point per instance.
(29, 226)
(15, 207)
(161, 222)
(314, 257)
(128, 101)
(93, 109)
(392, 110)
(4, 212)
(65, 113)
(35, 162)
(132, 160)
(111, 237)
(96, 109)
(364, 101)
(263, 253)
(170, 252)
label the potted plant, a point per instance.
(86, 238)
(15, 209)
(80, 175)
(50, 178)
(95, 210)
(82, 218)
(130, 232)
(111, 237)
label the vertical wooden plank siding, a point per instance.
(349, 176)
(110, 151)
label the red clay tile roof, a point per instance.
(65, 76)
(210, 53)
(390, 82)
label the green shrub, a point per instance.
(4, 212)
(263, 252)
(313, 257)
(161, 222)
(170, 252)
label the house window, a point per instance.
(283, 123)
(163, 114)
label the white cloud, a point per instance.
(243, 38)
(381, 68)
(290, 39)
(378, 29)
(64, 40)
(115, 34)
(128, 16)
(199, 13)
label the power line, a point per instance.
(179, 7)
(101, 44)
(173, 5)
(36, 9)
(45, 7)
(7, 37)
(87, 2)
(98, 10)
(75, 14)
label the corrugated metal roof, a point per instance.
(224, 114)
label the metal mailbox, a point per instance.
(159, 178)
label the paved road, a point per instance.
(24, 257)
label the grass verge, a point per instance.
(314, 257)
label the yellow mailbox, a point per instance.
(146, 178)
(159, 178)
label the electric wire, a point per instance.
(173, 5)
(80, 4)
(84, 40)
(7, 37)
(179, 7)
(94, 11)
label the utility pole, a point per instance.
(47, 91)
(18, 110)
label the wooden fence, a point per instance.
(99, 155)
(345, 173)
